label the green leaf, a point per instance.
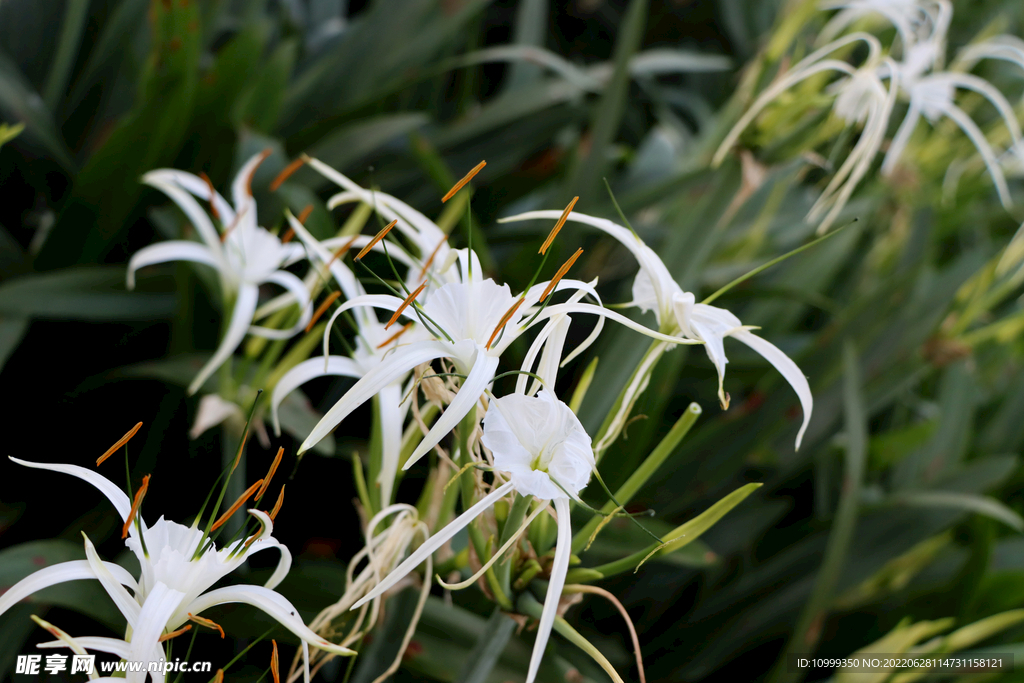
(983, 505)
(260, 105)
(488, 648)
(75, 14)
(21, 104)
(684, 534)
(86, 293)
(589, 167)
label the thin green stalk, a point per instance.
(805, 636)
(646, 470)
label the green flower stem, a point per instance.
(650, 465)
(466, 427)
(516, 514)
(656, 347)
(529, 605)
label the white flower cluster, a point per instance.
(911, 70)
(449, 329)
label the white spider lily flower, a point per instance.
(546, 453)
(472, 323)
(932, 96)
(654, 289)
(1006, 48)
(245, 256)
(914, 20)
(173, 582)
(860, 99)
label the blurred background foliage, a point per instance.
(902, 506)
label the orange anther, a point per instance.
(219, 676)
(237, 504)
(331, 298)
(342, 249)
(174, 634)
(278, 504)
(270, 474)
(504, 319)
(241, 446)
(120, 442)
(288, 235)
(208, 623)
(304, 214)
(286, 173)
(408, 300)
(395, 336)
(380, 235)
(213, 193)
(560, 274)
(139, 495)
(274, 664)
(462, 183)
(558, 226)
(433, 255)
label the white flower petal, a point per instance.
(556, 309)
(161, 602)
(199, 188)
(273, 604)
(74, 570)
(391, 417)
(212, 411)
(559, 568)
(113, 493)
(113, 646)
(298, 290)
(175, 250)
(241, 318)
(391, 369)
(789, 370)
(305, 371)
(480, 375)
(191, 208)
(125, 603)
(383, 301)
(435, 542)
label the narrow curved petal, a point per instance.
(298, 290)
(114, 494)
(199, 188)
(789, 370)
(125, 603)
(612, 315)
(345, 278)
(112, 646)
(338, 366)
(383, 301)
(273, 604)
(559, 568)
(391, 418)
(391, 369)
(984, 149)
(175, 250)
(435, 542)
(195, 213)
(902, 138)
(480, 375)
(161, 603)
(265, 542)
(241, 318)
(74, 570)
